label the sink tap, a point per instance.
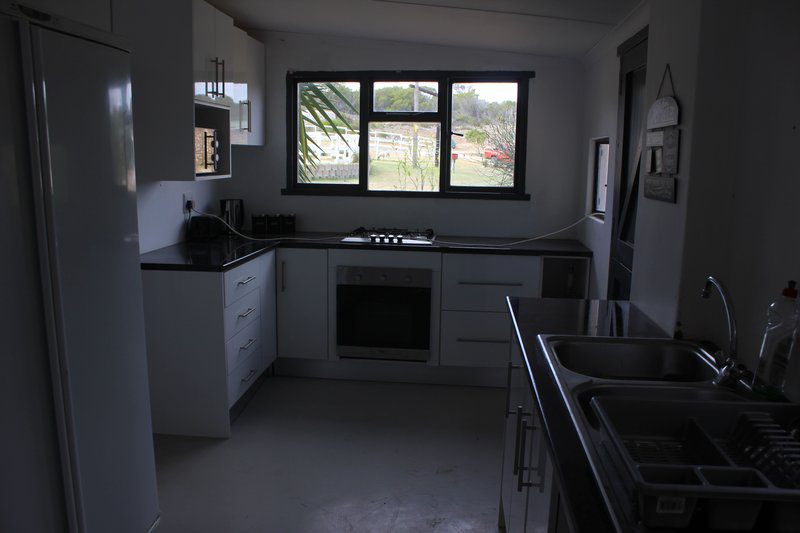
(730, 371)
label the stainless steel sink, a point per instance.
(634, 359)
(584, 395)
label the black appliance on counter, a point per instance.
(232, 212)
(273, 224)
(204, 228)
(383, 313)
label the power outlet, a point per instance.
(187, 203)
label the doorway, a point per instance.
(627, 166)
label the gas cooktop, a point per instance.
(391, 236)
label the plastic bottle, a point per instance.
(777, 344)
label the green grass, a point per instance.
(384, 176)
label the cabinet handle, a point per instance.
(215, 87)
(242, 104)
(283, 276)
(493, 283)
(523, 444)
(246, 280)
(248, 345)
(247, 313)
(249, 376)
(482, 341)
(520, 416)
(511, 367)
(249, 116)
(223, 79)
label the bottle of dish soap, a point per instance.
(777, 343)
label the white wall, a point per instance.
(554, 174)
(673, 38)
(743, 223)
(600, 93)
(161, 219)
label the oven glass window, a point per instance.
(384, 317)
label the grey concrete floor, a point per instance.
(311, 455)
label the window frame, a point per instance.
(443, 116)
(596, 143)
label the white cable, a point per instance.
(514, 243)
(338, 237)
(242, 235)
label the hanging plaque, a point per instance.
(664, 112)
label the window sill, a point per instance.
(399, 194)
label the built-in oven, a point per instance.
(383, 313)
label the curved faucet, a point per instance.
(711, 281)
(729, 370)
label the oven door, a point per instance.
(383, 313)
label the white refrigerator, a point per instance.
(75, 403)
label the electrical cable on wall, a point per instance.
(338, 237)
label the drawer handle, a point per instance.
(249, 376)
(484, 341)
(245, 281)
(247, 313)
(248, 345)
(493, 283)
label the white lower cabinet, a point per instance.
(475, 322)
(302, 290)
(527, 473)
(474, 339)
(210, 335)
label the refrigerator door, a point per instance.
(88, 228)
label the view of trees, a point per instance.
(484, 156)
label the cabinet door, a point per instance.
(236, 87)
(204, 56)
(518, 409)
(538, 480)
(225, 48)
(255, 80)
(269, 325)
(303, 303)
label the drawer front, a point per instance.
(241, 313)
(481, 282)
(475, 339)
(244, 375)
(242, 345)
(241, 280)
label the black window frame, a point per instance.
(596, 143)
(445, 79)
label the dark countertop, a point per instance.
(534, 316)
(224, 253)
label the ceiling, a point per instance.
(547, 27)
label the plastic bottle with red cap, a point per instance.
(778, 343)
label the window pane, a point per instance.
(601, 175)
(405, 96)
(404, 156)
(327, 132)
(485, 114)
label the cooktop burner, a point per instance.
(391, 236)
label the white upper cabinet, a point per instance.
(213, 51)
(245, 85)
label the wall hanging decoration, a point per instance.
(662, 144)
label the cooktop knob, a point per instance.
(390, 238)
(399, 239)
(381, 238)
(373, 237)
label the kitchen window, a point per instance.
(404, 133)
(601, 152)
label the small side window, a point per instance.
(600, 176)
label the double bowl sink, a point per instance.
(654, 369)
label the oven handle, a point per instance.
(483, 341)
(493, 283)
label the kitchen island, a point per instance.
(576, 498)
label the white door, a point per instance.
(302, 288)
(206, 69)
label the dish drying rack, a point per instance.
(731, 466)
